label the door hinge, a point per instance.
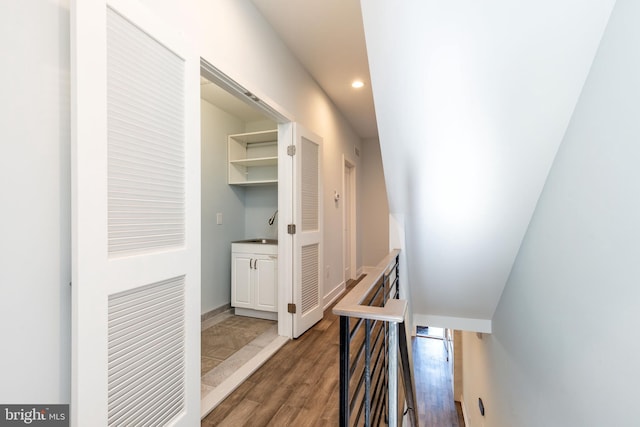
(291, 150)
(291, 308)
(291, 228)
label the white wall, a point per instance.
(260, 204)
(374, 216)
(35, 253)
(233, 36)
(218, 197)
(564, 350)
(35, 180)
(245, 210)
(260, 201)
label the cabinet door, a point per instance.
(241, 286)
(265, 282)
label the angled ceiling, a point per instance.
(471, 103)
(328, 39)
(487, 90)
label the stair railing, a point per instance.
(376, 367)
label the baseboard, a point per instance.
(464, 413)
(267, 315)
(209, 314)
(332, 296)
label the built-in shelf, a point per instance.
(253, 158)
(261, 161)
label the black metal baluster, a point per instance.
(344, 371)
(367, 372)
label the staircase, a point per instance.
(376, 366)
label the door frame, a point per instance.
(349, 188)
(285, 188)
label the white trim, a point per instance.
(214, 312)
(460, 323)
(334, 295)
(254, 96)
(464, 412)
(360, 271)
(218, 394)
(285, 240)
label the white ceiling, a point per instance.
(488, 90)
(328, 39)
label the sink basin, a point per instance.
(259, 241)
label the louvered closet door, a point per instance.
(135, 219)
(307, 281)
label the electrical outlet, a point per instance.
(219, 218)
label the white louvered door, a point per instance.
(135, 219)
(307, 246)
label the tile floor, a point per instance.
(228, 342)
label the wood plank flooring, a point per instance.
(434, 390)
(298, 386)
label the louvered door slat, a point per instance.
(145, 141)
(146, 349)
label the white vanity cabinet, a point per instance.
(254, 278)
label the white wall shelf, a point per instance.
(253, 158)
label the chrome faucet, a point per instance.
(273, 217)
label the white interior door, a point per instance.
(135, 219)
(307, 241)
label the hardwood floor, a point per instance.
(298, 386)
(436, 406)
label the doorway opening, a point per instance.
(276, 176)
(438, 375)
(239, 205)
(430, 332)
(348, 219)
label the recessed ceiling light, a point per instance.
(357, 84)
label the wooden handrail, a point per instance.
(394, 310)
(383, 354)
(351, 304)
